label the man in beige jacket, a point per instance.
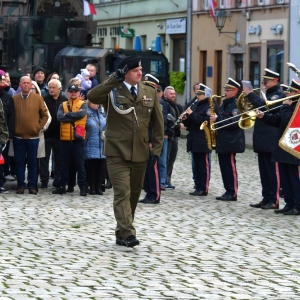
(30, 117)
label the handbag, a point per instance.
(102, 132)
(79, 130)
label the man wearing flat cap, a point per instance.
(230, 140)
(264, 139)
(70, 114)
(130, 106)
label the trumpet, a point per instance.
(251, 113)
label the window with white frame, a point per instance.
(260, 2)
(222, 4)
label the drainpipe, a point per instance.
(188, 50)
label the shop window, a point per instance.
(275, 56)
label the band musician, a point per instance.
(268, 169)
(196, 113)
(230, 140)
(289, 164)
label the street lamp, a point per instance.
(220, 17)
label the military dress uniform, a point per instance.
(264, 140)
(127, 141)
(230, 141)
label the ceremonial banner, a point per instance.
(290, 140)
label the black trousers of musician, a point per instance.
(201, 171)
(152, 181)
(227, 164)
(290, 182)
(269, 177)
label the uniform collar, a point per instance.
(129, 86)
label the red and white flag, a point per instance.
(290, 140)
(88, 8)
(212, 7)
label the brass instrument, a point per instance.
(210, 135)
(216, 96)
(293, 68)
(247, 119)
(252, 111)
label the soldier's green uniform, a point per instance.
(127, 143)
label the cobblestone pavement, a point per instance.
(191, 247)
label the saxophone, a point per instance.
(210, 135)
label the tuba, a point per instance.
(248, 115)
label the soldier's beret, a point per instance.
(132, 62)
(38, 69)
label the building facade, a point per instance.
(119, 23)
(255, 36)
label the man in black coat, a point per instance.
(264, 139)
(176, 110)
(197, 113)
(9, 115)
(230, 140)
(289, 161)
(52, 134)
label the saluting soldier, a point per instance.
(264, 140)
(130, 106)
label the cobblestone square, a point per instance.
(63, 247)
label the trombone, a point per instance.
(251, 113)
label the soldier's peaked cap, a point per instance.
(231, 84)
(201, 88)
(151, 80)
(132, 62)
(269, 74)
(295, 86)
(284, 87)
(73, 87)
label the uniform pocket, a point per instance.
(113, 134)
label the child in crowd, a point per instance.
(86, 83)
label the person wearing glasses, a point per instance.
(264, 139)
